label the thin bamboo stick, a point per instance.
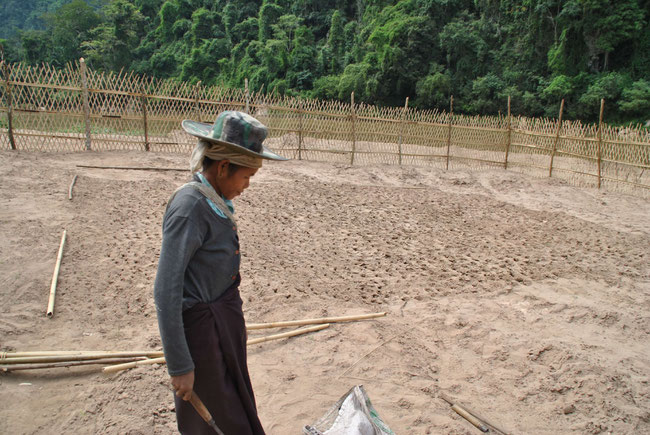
(390, 153)
(557, 138)
(472, 127)
(367, 354)
(284, 324)
(120, 367)
(71, 186)
(84, 86)
(287, 334)
(55, 277)
(473, 159)
(575, 138)
(134, 168)
(34, 366)
(45, 86)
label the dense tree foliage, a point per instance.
(481, 51)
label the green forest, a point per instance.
(480, 51)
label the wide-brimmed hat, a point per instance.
(236, 130)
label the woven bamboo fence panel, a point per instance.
(477, 141)
(75, 108)
(47, 108)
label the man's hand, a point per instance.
(183, 385)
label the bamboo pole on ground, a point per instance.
(86, 103)
(35, 366)
(120, 367)
(284, 324)
(600, 139)
(557, 138)
(71, 186)
(469, 417)
(451, 115)
(55, 277)
(77, 357)
(509, 136)
(10, 129)
(402, 127)
(96, 353)
(354, 132)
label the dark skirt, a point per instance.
(216, 336)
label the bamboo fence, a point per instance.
(75, 108)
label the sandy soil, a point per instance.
(525, 299)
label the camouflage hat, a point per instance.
(236, 130)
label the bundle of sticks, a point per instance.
(115, 361)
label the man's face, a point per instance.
(234, 184)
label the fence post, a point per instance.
(144, 120)
(299, 129)
(451, 115)
(403, 126)
(197, 107)
(247, 95)
(557, 138)
(354, 133)
(5, 71)
(84, 90)
(10, 129)
(505, 164)
(600, 138)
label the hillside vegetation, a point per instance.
(479, 51)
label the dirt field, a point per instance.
(525, 299)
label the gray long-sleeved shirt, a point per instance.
(199, 261)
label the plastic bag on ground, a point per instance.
(352, 414)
